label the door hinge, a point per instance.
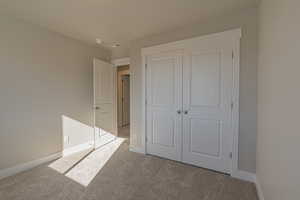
(146, 138)
(232, 55)
(230, 155)
(232, 105)
(146, 65)
(146, 102)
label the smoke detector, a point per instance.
(107, 44)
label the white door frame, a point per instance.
(231, 35)
(121, 62)
(120, 74)
(125, 94)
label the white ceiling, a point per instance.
(118, 21)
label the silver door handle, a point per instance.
(178, 112)
(186, 112)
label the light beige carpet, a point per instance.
(125, 176)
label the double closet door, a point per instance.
(189, 104)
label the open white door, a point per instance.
(104, 102)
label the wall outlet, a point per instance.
(66, 140)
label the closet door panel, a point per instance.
(164, 99)
(207, 87)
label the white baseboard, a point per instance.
(29, 165)
(77, 148)
(137, 150)
(244, 175)
(259, 189)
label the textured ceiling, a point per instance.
(118, 21)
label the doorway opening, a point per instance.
(123, 99)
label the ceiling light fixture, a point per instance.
(115, 45)
(107, 44)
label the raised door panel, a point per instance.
(164, 123)
(103, 86)
(205, 79)
(104, 117)
(205, 137)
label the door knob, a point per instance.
(179, 112)
(186, 112)
(97, 107)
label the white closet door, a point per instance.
(207, 92)
(164, 103)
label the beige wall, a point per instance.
(247, 20)
(43, 76)
(278, 140)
